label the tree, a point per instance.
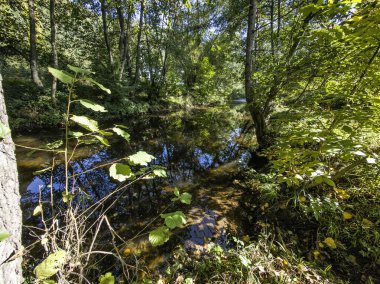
(10, 212)
(53, 35)
(33, 45)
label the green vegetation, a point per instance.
(309, 196)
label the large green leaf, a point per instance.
(121, 132)
(86, 122)
(159, 236)
(185, 198)
(80, 70)
(107, 278)
(102, 140)
(62, 76)
(160, 173)
(141, 158)
(51, 265)
(4, 235)
(121, 172)
(90, 80)
(4, 130)
(91, 105)
(174, 219)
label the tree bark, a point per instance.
(256, 111)
(137, 72)
(105, 33)
(33, 45)
(10, 212)
(53, 33)
(124, 39)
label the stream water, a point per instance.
(202, 151)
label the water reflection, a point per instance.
(196, 148)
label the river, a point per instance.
(202, 150)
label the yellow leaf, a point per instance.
(316, 254)
(246, 238)
(330, 242)
(366, 223)
(127, 251)
(347, 215)
(302, 199)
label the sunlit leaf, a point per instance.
(347, 215)
(108, 91)
(121, 132)
(66, 197)
(174, 219)
(185, 198)
(141, 158)
(4, 130)
(86, 122)
(79, 70)
(91, 105)
(121, 172)
(51, 265)
(371, 161)
(64, 77)
(359, 153)
(102, 140)
(159, 236)
(107, 278)
(160, 173)
(4, 235)
(330, 242)
(37, 210)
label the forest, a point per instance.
(189, 141)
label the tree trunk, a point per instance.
(124, 40)
(33, 47)
(256, 111)
(137, 73)
(10, 212)
(53, 32)
(106, 35)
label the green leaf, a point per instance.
(37, 210)
(329, 181)
(4, 235)
(159, 236)
(51, 265)
(103, 140)
(185, 198)
(359, 153)
(371, 161)
(91, 105)
(121, 172)
(176, 192)
(4, 130)
(76, 134)
(121, 132)
(141, 158)
(66, 197)
(86, 122)
(108, 91)
(160, 173)
(79, 70)
(107, 278)
(174, 219)
(62, 76)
